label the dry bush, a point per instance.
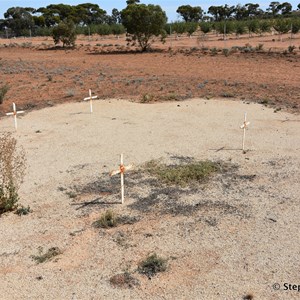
(12, 170)
(124, 280)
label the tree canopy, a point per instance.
(190, 13)
(143, 22)
(64, 32)
(89, 17)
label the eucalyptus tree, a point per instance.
(190, 13)
(143, 23)
(19, 20)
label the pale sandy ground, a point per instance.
(243, 241)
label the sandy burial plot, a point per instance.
(235, 235)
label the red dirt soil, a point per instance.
(39, 74)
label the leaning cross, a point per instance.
(244, 127)
(14, 113)
(91, 99)
(121, 171)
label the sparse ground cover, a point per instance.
(41, 75)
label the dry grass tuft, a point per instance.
(124, 280)
(43, 257)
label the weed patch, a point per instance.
(179, 188)
(152, 265)
(184, 174)
(22, 210)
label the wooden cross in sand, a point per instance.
(14, 113)
(121, 171)
(244, 127)
(91, 100)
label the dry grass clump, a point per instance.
(107, 220)
(193, 172)
(48, 255)
(124, 280)
(12, 170)
(111, 219)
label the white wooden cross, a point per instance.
(14, 113)
(121, 171)
(244, 127)
(91, 100)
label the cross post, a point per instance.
(121, 171)
(90, 98)
(244, 127)
(14, 113)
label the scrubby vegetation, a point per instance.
(12, 169)
(152, 265)
(142, 22)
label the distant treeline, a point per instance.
(91, 19)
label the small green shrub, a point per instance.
(22, 210)
(8, 198)
(107, 220)
(3, 90)
(52, 252)
(110, 219)
(152, 265)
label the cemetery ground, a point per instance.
(233, 236)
